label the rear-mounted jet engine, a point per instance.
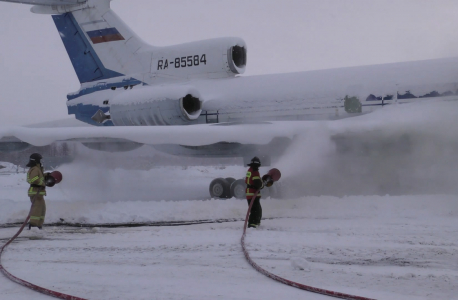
(208, 59)
(156, 106)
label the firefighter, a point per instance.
(36, 178)
(254, 183)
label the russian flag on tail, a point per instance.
(105, 35)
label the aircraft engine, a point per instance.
(237, 59)
(214, 58)
(162, 105)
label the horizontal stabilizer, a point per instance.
(47, 2)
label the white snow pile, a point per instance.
(299, 263)
(6, 167)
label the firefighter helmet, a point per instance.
(34, 160)
(36, 157)
(255, 162)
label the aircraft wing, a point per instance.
(395, 130)
(264, 139)
(258, 133)
(195, 135)
(47, 2)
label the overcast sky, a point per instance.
(282, 36)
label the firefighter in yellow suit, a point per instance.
(254, 183)
(36, 178)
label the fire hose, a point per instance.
(57, 178)
(26, 283)
(274, 176)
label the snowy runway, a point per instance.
(390, 248)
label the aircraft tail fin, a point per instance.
(99, 44)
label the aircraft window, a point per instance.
(239, 56)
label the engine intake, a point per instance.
(238, 57)
(191, 107)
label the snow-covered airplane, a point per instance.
(127, 82)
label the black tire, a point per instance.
(230, 180)
(219, 188)
(238, 189)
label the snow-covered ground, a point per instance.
(384, 247)
(374, 216)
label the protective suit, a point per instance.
(254, 183)
(37, 191)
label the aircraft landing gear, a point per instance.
(220, 188)
(226, 188)
(238, 189)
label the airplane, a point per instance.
(126, 82)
